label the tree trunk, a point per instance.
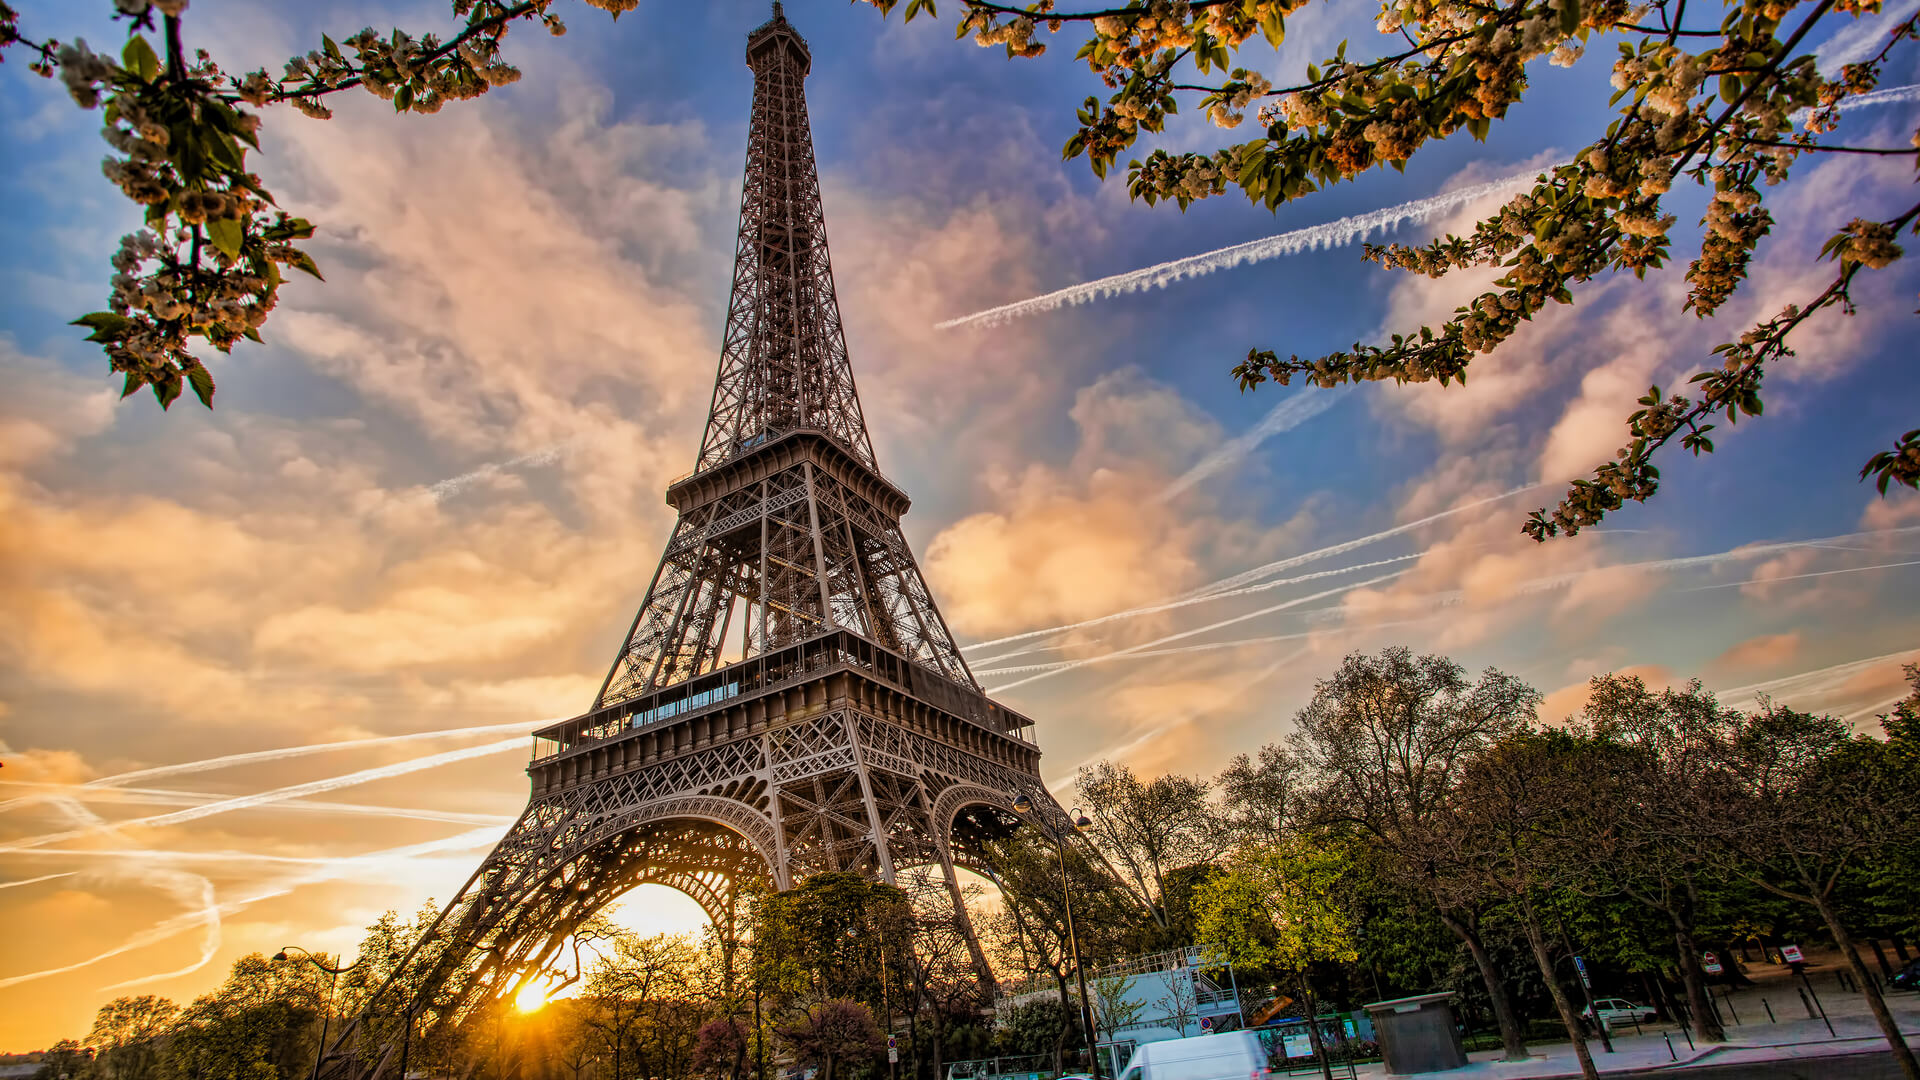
(1900, 950)
(1880, 957)
(1502, 1006)
(1706, 1022)
(1531, 924)
(1902, 1053)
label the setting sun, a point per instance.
(531, 998)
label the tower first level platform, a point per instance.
(834, 753)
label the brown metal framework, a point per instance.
(845, 734)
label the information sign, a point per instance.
(1791, 953)
(1710, 964)
(1580, 965)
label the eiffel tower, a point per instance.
(789, 700)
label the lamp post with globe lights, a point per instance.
(1023, 806)
(326, 1011)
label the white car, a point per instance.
(1616, 1011)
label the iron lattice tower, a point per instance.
(788, 700)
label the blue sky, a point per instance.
(539, 276)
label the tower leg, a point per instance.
(981, 969)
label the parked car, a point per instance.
(1232, 1055)
(1615, 1011)
(1907, 978)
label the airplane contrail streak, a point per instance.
(1244, 590)
(1326, 235)
(35, 880)
(371, 861)
(453, 485)
(1819, 676)
(1292, 561)
(1211, 646)
(1798, 577)
(283, 753)
(1861, 39)
(295, 791)
(1289, 414)
(170, 797)
(1282, 606)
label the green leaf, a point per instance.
(138, 57)
(227, 235)
(332, 49)
(302, 261)
(106, 326)
(201, 380)
(403, 98)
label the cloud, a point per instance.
(1764, 653)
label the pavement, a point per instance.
(1765, 1023)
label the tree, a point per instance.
(1385, 739)
(1652, 845)
(1807, 802)
(126, 1035)
(634, 990)
(722, 1047)
(1279, 906)
(1517, 819)
(1259, 798)
(1147, 828)
(1713, 101)
(258, 1025)
(832, 1033)
(208, 263)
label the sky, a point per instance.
(420, 517)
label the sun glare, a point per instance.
(531, 998)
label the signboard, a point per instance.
(1791, 953)
(893, 1042)
(1580, 965)
(1297, 1045)
(1206, 1024)
(893, 1049)
(1710, 964)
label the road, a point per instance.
(1878, 1065)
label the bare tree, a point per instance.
(1146, 828)
(1384, 740)
(1807, 800)
(1516, 820)
(1651, 846)
(1260, 796)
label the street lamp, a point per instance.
(1023, 805)
(326, 1012)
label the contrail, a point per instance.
(1797, 577)
(251, 757)
(34, 880)
(1282, 606)
(330, 870)
(1862, 38)
(1209, 597)
(454, 485)
(1290, 562)
(1289, 414)
(1892, 95)
(1327, 235)
(1819, 678)
(170, 797)
(1210, 646)
(295, 791)
(1240, 580)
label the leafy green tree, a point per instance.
(1723, 100)
(258, 1025)
(128, 1034)
(832, 936)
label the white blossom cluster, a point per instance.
(1245, 87)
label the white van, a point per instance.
(1232, 1055)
